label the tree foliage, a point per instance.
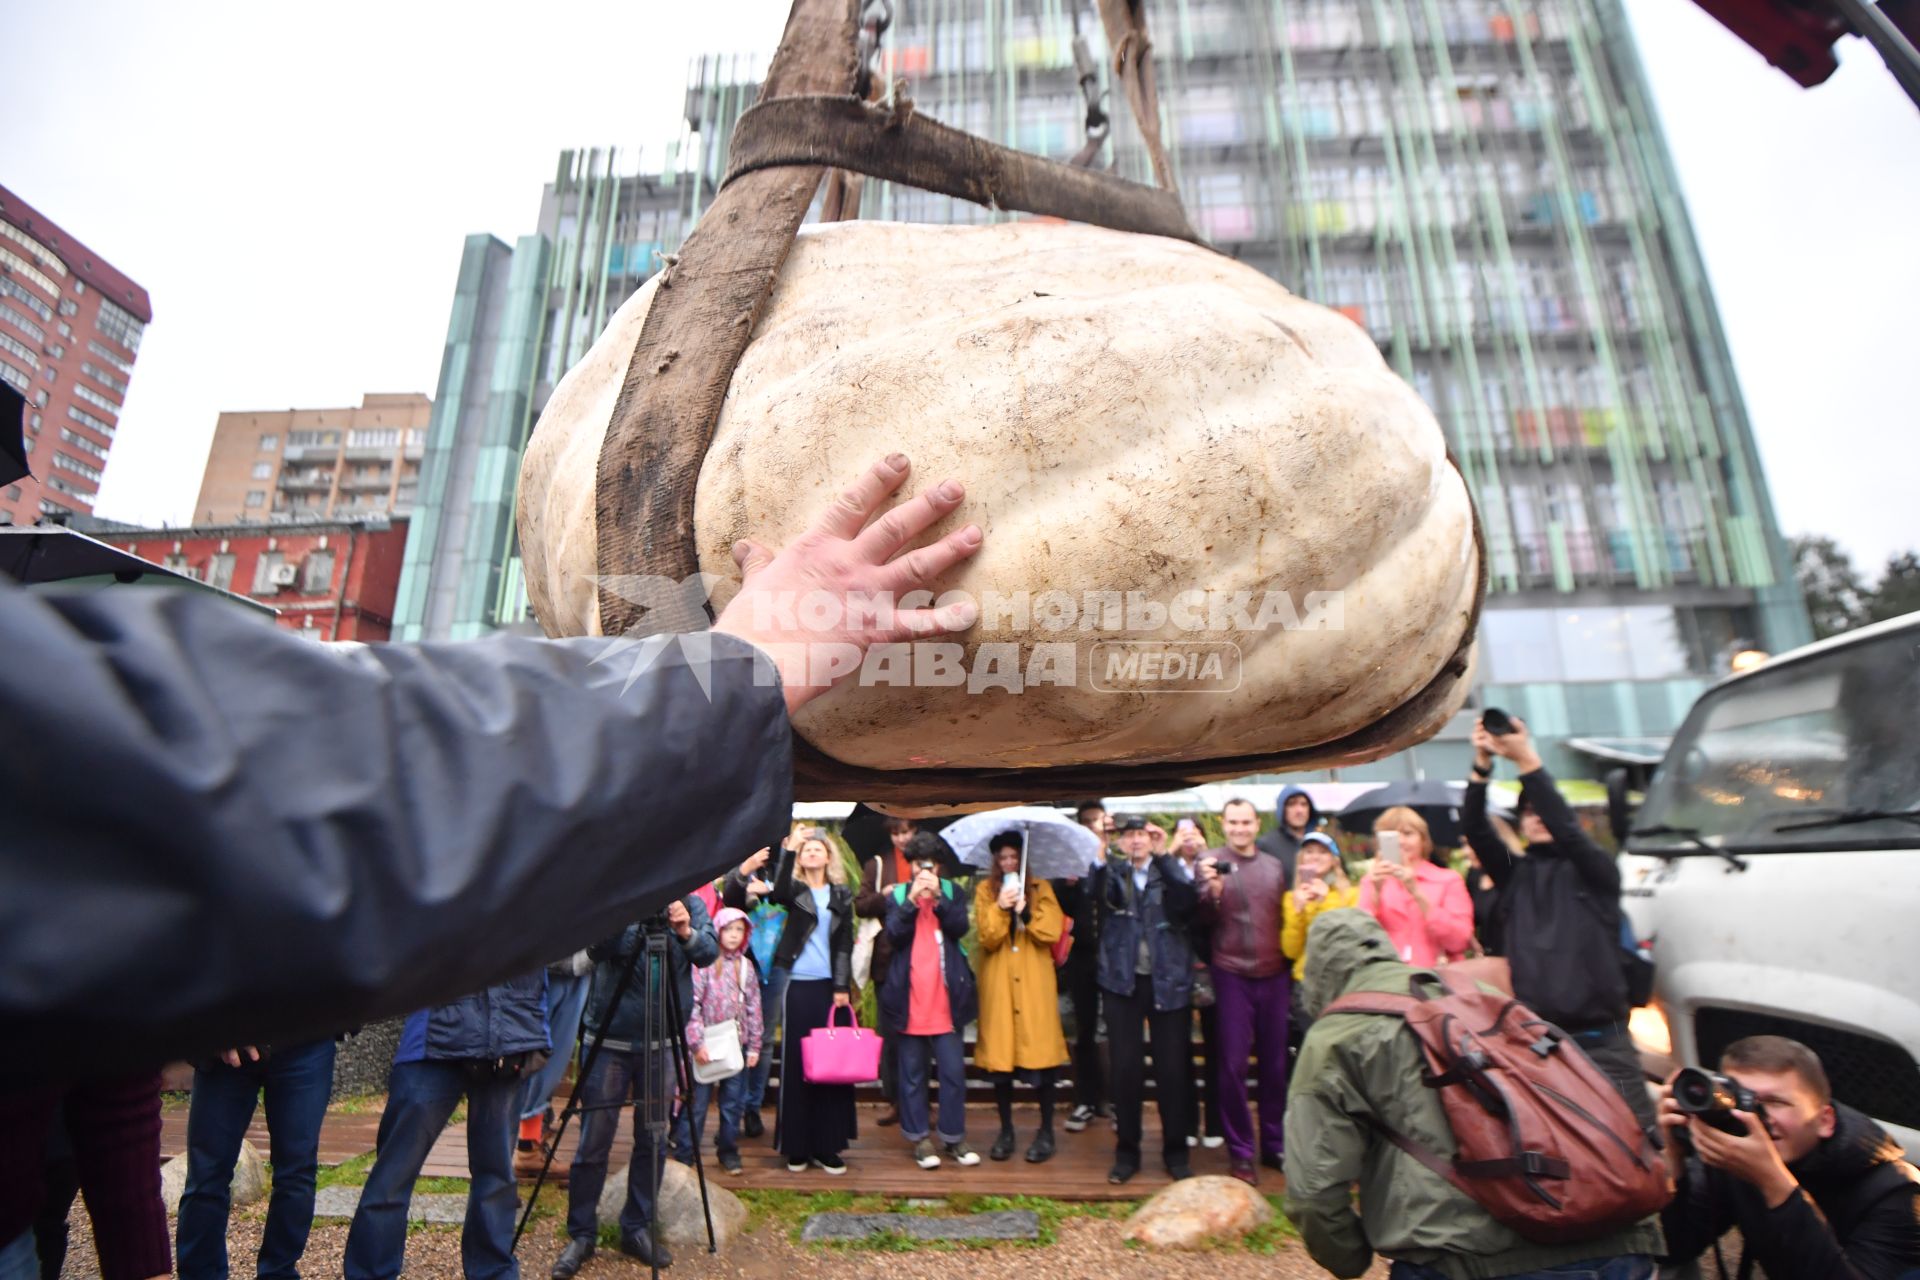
(1840, 599)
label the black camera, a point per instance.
(1713, 1098)
(1498, 722)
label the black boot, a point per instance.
(1042, 1149)
(642, 1246)
(1002, 1146)
(572, 1258)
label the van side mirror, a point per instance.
(1619, 813)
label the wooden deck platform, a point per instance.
(880, 1163)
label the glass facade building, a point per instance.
(1482, 186)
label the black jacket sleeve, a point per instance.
(840, 941)
(1570, 841)
(1495, 858)
(219, 833)
(1700, 1212)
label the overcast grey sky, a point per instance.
(292, 185)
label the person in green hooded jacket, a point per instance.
(1356, 1066)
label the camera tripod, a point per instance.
(663, 1025)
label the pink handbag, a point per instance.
(840, 1055)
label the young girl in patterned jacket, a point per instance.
(728, 989)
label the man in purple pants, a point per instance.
(1240, 898)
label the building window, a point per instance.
(106, 353)
(220, 572)
(48, 507)
(93, 397)
(256, 498)
(261, 470)
(50, 373)
(74, 464)
(55, 482)
(269, 443)
(263, 571)
(178, 563)
(104, 378)
(86, 419)
(45, 256)
(18, 319)
(119, 325)
(27, 269)
(317, 573)
(374, 438)
(12, 289)
(68, 307)
(18, 379)
(312, 439)
(78, 441)
(13, 493)
(19, 351)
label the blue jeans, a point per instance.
(945, 1055)
(566, 999)
(297, 1081)
(19, 1259)
(421, 1097)
(772, 997)
(1632, 1266)
(690, 1125)
(616, 1076)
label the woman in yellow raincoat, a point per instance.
(1017, 924)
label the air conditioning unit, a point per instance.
(284, 575)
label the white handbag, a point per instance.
(724, 1059)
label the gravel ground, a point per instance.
(1087, 1249)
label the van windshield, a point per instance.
(1819, 754)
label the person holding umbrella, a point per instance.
(1019, 919)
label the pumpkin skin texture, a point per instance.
(1129, 414)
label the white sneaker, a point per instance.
(961, 1154)
(1192, 1141)
(1213, 1142)
(925, 1154)
(832, 1165)
(801, 1167)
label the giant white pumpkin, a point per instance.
(1130, 414)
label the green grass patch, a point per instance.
(441, 1186)
(1271, 1238)
(350, 1173)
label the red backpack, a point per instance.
(1546, 1144)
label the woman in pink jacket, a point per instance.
(1422, 905)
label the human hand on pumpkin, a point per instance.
(850, 554)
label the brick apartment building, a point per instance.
(273, 467)
(70, 329)
(330, 579)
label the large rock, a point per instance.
(1194, 1211)
(678, 1216)
(250, 1181)
(1129, 414)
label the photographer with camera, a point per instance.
(1560, 909)
(481, 1048)
(632, 1058)
(1816, 1188)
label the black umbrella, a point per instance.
(53, 553)
(1437, 802)
(13, 440)
(865, 831)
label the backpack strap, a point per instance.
(1381, 1002)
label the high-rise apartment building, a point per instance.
(70, 330)
(282, 465)
(1480, 184)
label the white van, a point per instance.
(1775, 867)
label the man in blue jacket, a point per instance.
(479, 1048)
(1146, 989)
(635, 1039)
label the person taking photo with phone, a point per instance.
(1019, 920)
(926, 1000)
(1560, 909)
(1422, 905)
(1319, 884)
